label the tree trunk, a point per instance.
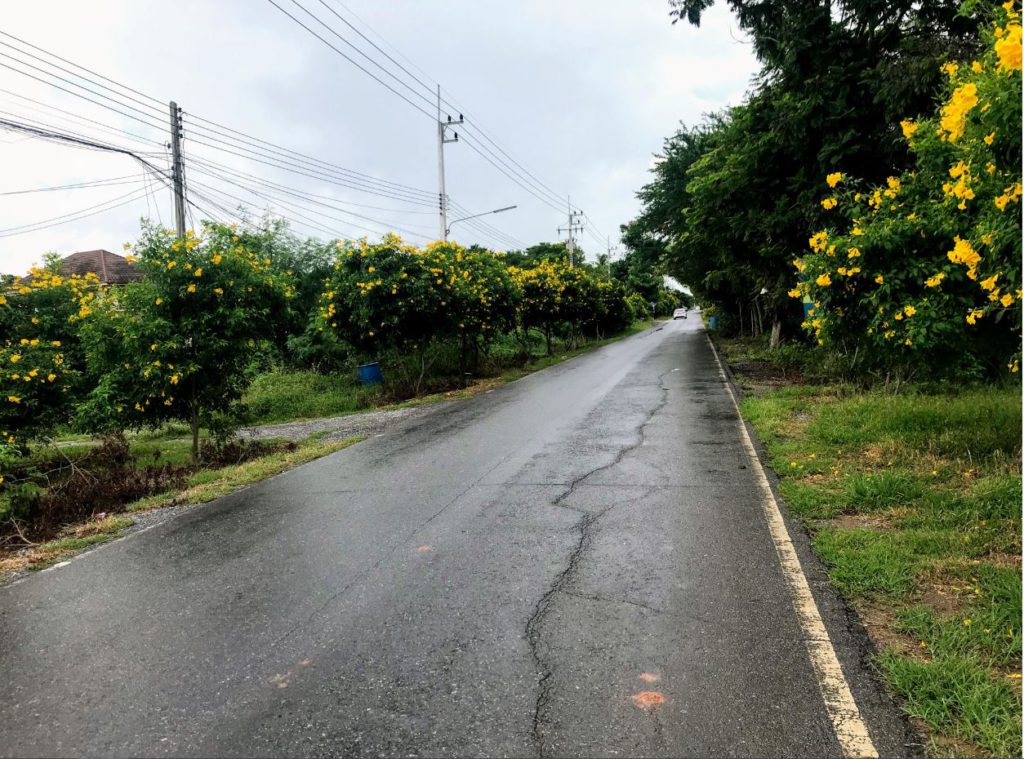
(776, 333)
(547, 338)
(194, 423)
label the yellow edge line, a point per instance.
(849, 726)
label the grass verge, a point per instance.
(913, 501)
(201, 486)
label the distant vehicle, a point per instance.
(679, 313)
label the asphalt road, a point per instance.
(499, 578)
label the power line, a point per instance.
(302, 196)
(77, 117)
(113, 181)
(316, 165)
(79, 66)
(125, 199)
(474, 124)
(258, 180)
(350, 60)
(247, 138)
(146, 114)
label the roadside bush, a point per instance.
(176, 345)
(923, 274)
(395, 298)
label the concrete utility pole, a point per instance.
(608, 267)
(442, 139)
(575, 225)
(177, 174)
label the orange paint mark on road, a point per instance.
(648, 699)
(425, 548)
(647, 677)
(305, 662)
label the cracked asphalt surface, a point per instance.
(499, 577)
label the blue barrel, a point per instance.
(712, 323)
(369, 374)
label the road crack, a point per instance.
(586, 526)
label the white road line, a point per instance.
(849, 726)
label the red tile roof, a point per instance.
(111, 268)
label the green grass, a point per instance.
(208, 484)
(284, 395)
(913, 501)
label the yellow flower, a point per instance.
(990, 138)
(990, 283)
(879, 279)
(13, 399)
(1006, 300)
(823, 280)
(15, 358)
(171, 265)
(974, 315)
(1001, 202)
(1008, 49)
(372, 269)
(199, 272)
(976, 67)
(953, 119)
(909, 311)
(834, 178)
(963, 253)
(51, 377)
(218, 290)
(175, 378)
(934, 281)
(950, 69)
(217, 259)
(191, 288)
(794, 293)
(829, 203)
(159, 301)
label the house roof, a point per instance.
(111, 268)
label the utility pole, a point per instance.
(575, 225)
(608, 266)
(442, 139)
(177, 174)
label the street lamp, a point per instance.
(474, 216)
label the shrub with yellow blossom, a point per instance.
(395, 297)
(176, 345)
(41, 358)
(924, 273)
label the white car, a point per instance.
(679, 313)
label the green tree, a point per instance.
(175, 346)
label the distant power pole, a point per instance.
(608, 266)
(575, 225)
(442, 139)
(177, 174)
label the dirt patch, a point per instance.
(1004, 560)
(858, 522)
(947, 596)
(880, 623)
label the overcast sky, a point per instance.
(578, 93)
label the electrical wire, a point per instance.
(77, 185)
(125, 199)
(350, 60)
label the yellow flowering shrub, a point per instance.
(935, 281)
(176, 345)
(396, 298)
